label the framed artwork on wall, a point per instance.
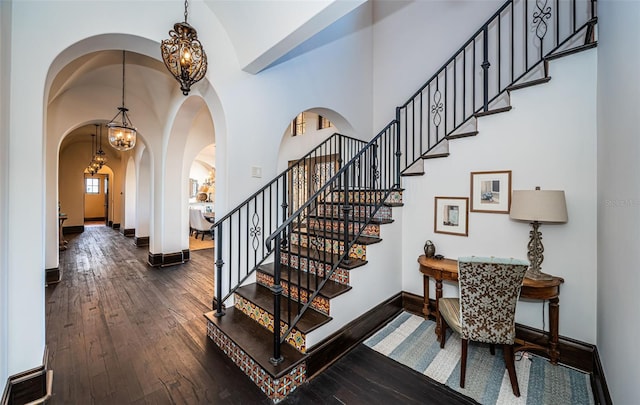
(451, 215)
(193, 187)
(491, 192)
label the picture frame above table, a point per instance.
(451, 215)
(491, 192)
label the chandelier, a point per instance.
(100, 157)
(183, 54)
(122, 134)
(93, 166)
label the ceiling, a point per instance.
(279, 27)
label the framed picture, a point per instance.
(491, 192)
(193, 187)
(451, 215)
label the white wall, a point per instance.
(5, 50)
(547, 140)
(414, 38)
(619, 196)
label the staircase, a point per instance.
(285, 257)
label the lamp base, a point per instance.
(537, 275)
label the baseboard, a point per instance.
(52, 276)
(66, 230)
(115, 226)
(95, 219)
(598, 382)
(129, 232)
(341, 342)
(30, 385)
(141, 241)
(580, 355)
(168, 259)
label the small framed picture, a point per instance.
(491, 192)
(451, 215)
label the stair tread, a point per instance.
(434, 155)
(529, 83)
(255, 341)
(339, 236)
(263, 297)
(573, 50)
(351, 202)
(331, 288)
(461, 135)
(325, 258)
(339, 218)
(494, 111)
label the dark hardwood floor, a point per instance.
(121, 332)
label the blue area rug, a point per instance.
(411, 340)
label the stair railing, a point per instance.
(352, 196)
(502, 52)
(513, 43)
(247, 226)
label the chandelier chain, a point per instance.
(123, 56)
(186, 5)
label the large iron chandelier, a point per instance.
(183, 54)
(122, 134)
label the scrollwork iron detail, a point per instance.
(255, 231)
(437, 108)
(539, 17)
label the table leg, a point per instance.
(554, 320)
(438, 296)
(425, 290)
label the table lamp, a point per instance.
(538, 206)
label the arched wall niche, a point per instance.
(293, 148)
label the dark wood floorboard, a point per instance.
(121, 332)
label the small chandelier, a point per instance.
(183, 54)
(93, 166)
(122, 134)
(100, 157)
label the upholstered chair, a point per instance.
(199, 223)
(485, 311)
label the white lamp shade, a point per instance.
(539, 205)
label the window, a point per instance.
(298, 125)
(323, 122)
(92, 185)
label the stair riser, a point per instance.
(330, 246)
(359, 211)
(296, 339)
(304, 264)
(365, 197)
(319, 303)
(338, 227)
(276, 389)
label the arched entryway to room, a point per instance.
(94, 81)
(305, 132)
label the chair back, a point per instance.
(200, 222)
(489, 291)
(192, 221)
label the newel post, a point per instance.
(219, 265)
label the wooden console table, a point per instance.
(447, 269)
